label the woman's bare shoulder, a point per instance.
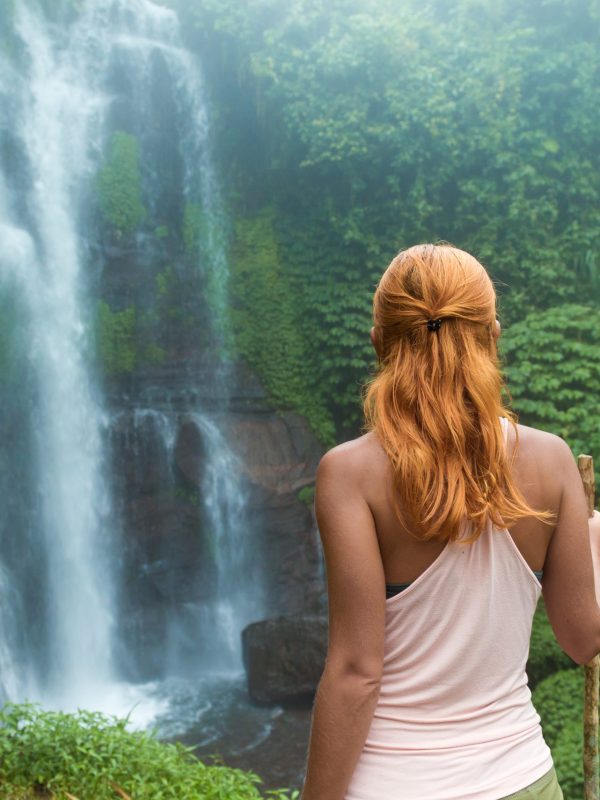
(538, 452)
(364, 453)
(542, 465)
(359, 465)
(542, 446)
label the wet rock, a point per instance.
(279, 455)
(189, 452)
(158, 461)
(284, 658)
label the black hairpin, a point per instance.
(433, 324)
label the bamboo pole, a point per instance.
(591, 789)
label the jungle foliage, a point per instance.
(360, 127)
(554, 372)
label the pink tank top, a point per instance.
(454, 719)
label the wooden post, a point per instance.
(592, 671)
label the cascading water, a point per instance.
(17, 674)
(68, 555)
(237, 600)
(55, 123)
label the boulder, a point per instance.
(158, 459)
(284, 658)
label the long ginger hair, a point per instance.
(435, 401)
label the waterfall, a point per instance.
(17, 673)
(139, 31)
(237, 600)
(65, 646)
(201, 630)
(58, 117)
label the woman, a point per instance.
(437, 526)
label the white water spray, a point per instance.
(60, 116)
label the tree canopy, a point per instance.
(359, 128)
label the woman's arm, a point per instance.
(594, 529)
(571, 583)
(349, 688)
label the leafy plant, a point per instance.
(119, 185)
(553, 370)
(559, 701)
(545, 656)
(567, 754)
(115, 338)
(161, 231)
(306, 495)
(192, 228)
(90, 756)
(267, 323)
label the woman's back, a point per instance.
(537, 473)
(546, 475)
(454, 703)
(424, 693)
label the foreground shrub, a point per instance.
(568, 757)
(89, 756)
(545, 656)
(559, 702)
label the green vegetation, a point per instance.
(545, 656)
(267, 322)
(119, 185)
(191, 496)
(347, 130)
(144, 335)
(115, 339)
(192, 228)
(554, 373)
(559, 702)
(350, 129)
(90, 756)
(306, 495)
(124, 339)
(163, 281)
(567, 754)
(359, 127)
(153, 353)
(161, 231)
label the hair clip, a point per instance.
(433, 324)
